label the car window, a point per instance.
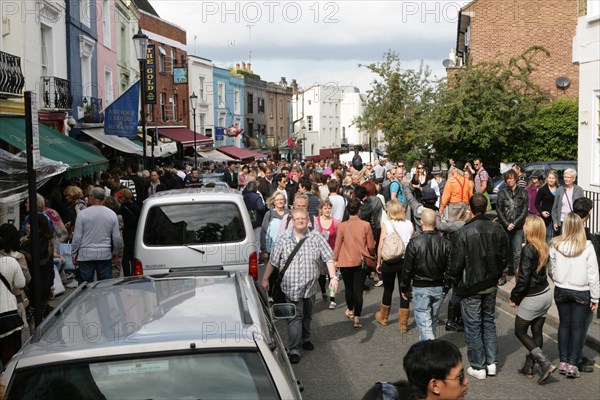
(529, 168)
(226, 375)
(194, 223)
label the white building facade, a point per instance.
(586, 52)
(200, 77)
(316, 112)
(351, 107)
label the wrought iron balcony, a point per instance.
(91, 110)
(12, 80)
(56, 93)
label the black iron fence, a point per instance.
(56, 93)
(12, 80)
(594, 221)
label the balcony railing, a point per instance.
(56, 93)
(12, 80)
(91, 110)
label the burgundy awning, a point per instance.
(184, 136)
(239, 153)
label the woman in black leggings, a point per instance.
(392, 271)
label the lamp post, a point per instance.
(194, 104)
(141, 45)
(303, 140)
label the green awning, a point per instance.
(55, 146)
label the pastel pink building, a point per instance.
(108, 70)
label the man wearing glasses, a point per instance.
(300, 280)
(434, 369)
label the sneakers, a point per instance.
(502, 281)
(562, 368)
(294, 358)
(491, 369)
(476, 373)
(308, 345)
(379, 283)
(573, 372)
(73, 284)
(332, 305)
(454, 326)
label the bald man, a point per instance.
(426, 260)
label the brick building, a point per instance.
(500, 29)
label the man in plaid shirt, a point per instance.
(300, 281)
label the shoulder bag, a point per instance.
(10, 320)
(277, 293)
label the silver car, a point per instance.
(203, 335)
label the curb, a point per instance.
(591, 340)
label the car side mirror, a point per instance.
(283, 311)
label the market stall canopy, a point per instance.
(54, 146)
(239, 153)
(184, 136)
(14, 180)
(214, 155)
(119, 143)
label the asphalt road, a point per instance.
(347, 362)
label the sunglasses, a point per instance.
(401, 165)
(460, 378)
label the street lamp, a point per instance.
(303, 140)
(141, 47)
(194, 104)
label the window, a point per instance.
(222, 121)
(163, 107)
(201, 119)
(122, 48)
(261, 105)
(280, 111)
(172, 61)
(108, 86)
(162, 55)
(336, 110)
(236, 101)
(174, 104)
(149, 112)
(47, 51)
(309, 120)
(221, 94)
(106, 22)
(309, 102)
(249, 104)
(85, 13)
(271, 105)
(201, 90)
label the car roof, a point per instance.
(142, 314)
(191, 191)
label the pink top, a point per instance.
(330, 232)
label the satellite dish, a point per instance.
(448, 63)
(562, 82)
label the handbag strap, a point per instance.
(291, 257)
(5, 282)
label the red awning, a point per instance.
(240, 154)
(184, 136)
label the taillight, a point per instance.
(253, 266)
(138, 268)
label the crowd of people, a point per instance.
(367, 224)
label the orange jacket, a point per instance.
(354, 239)
(458, 189)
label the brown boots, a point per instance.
(403, 319)
(382, 315)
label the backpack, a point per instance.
(386, 192)
(393, 245)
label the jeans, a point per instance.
(299, 326)
(515, 238)
(549, 232)
(480, 329)
(573, 313)
(354, 277)
(87, 268)
(427, 302)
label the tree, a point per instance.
(399, 103)
(483, 110)
(552, 133)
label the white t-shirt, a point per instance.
(338, 206)
(404, 229)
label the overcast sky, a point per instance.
(316, 41)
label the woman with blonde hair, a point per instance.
(533, 296)
(391, 271)
(327, 226)
(574, 270)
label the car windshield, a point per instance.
(194, 223)
(227, 375)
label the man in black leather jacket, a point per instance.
(426, 260)
(479, 254)
(511, 207)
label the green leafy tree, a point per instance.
(552, 133)
(483, 110)
(399, 103)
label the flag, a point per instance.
(291, 142)
(122, 115)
